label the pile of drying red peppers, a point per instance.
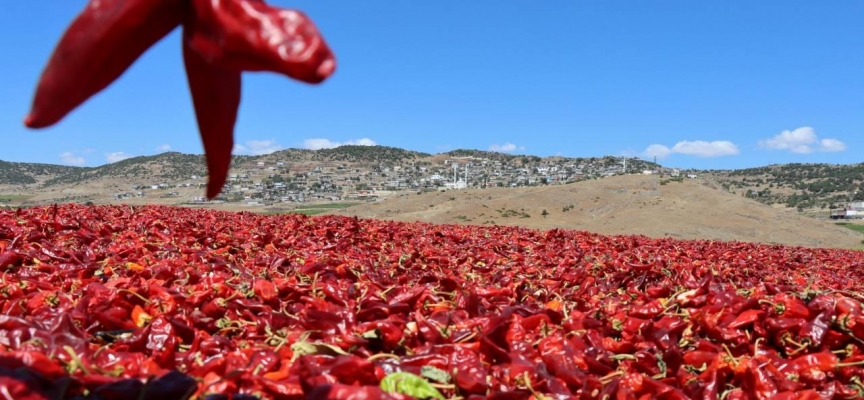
(120, 302)
(221, 39)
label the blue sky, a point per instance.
(702, 84)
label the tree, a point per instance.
(544, 213)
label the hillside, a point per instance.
(163, 167)
(798, 186)
(20, 174)
(634, 204)
(294, 173)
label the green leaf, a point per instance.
(373, 334)
(411, 385)
(303, 347)
(434, 374)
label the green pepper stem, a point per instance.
(850, 364)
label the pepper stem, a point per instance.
(850, 364)
(382, 356)
(756, 346)
(144, 299)
(608, 378)
(76, 361)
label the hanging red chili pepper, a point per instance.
(250, 35)
(100, 45)
(221, 39)
(216, 96)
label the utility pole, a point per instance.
(657, 178)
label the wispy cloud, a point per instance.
(321, 143)
(697, 148)
(69, 158)
(657, 150)
(831, 145)
(507, 147)
(257, 147)
(117, 156)
(164, 147)
(802, 140)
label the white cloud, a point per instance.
(69, 158)
(117, 156)
(796, 141)
(802, 140)
(260, 147)
(257, 147)
(321, 143)
(505, 148)
(657, 150)
(164, 147)
(698, 148)
(832, 145)
(701, 148)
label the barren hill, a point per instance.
(633, 204)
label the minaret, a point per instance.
(466, 176)
(455, 171)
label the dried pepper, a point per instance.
(162, 302)
(216, 97)
(221, 39)
(103, 41)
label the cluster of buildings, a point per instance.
(265, 183)
(853, 210)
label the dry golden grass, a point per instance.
(634, 204)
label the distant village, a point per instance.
(266, 183)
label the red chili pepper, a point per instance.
(99, 46)
(348, 392)
(822, 361)
(241, 311)
(647, 310)
(253, 36)
(757, 382)
(8, 258)
(746, 318)
(698, 358)
(216, 97)
(222, 38)
(816, 329)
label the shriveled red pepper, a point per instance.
(221, 39)
(289, 307)
(216, 97)
(103, 41)
(250, 35)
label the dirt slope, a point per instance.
(634, 204)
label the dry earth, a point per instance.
(634, 204)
